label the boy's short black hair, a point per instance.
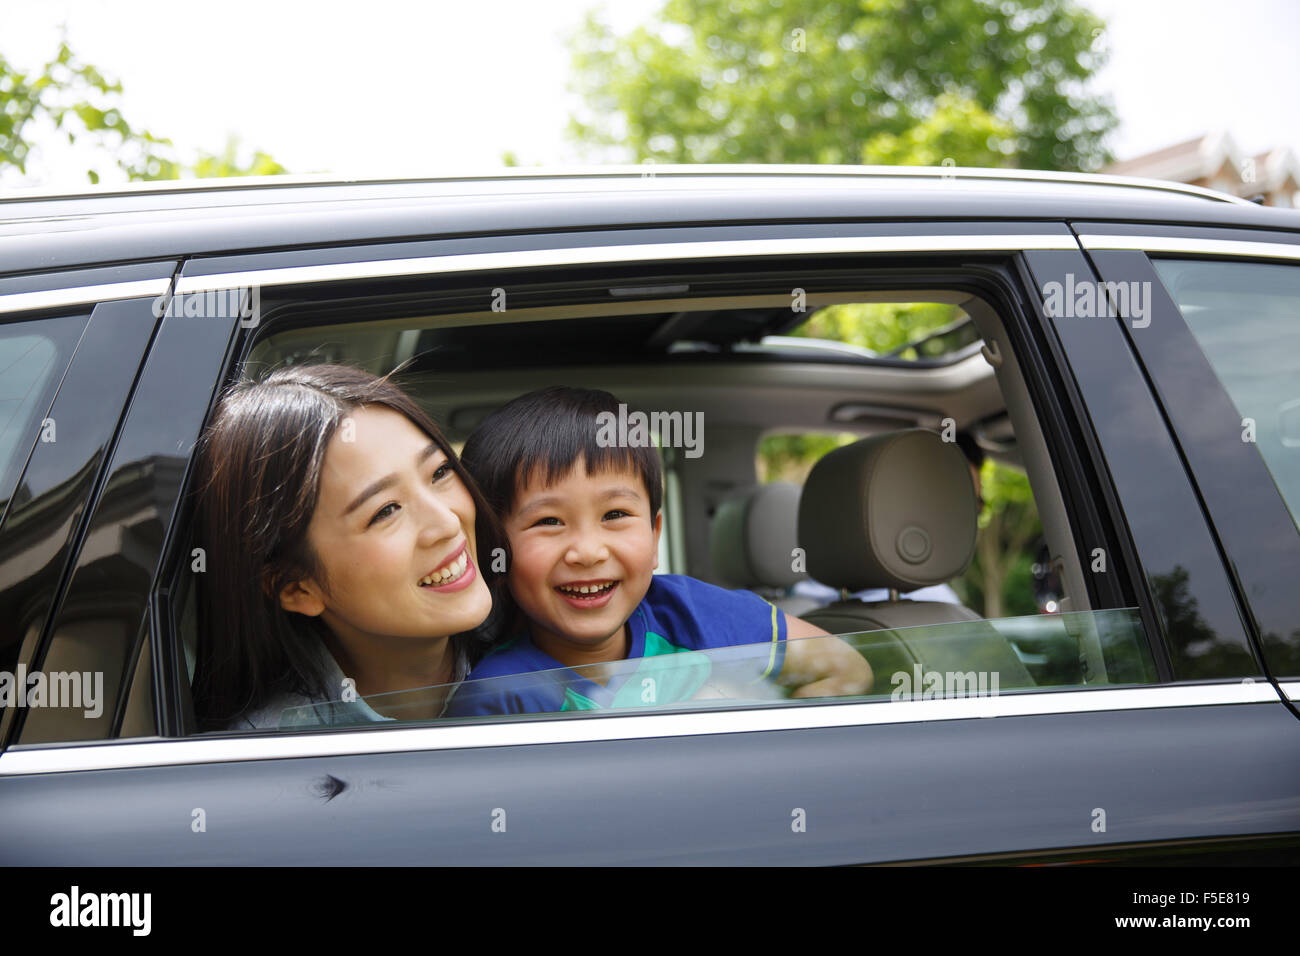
(542, 435)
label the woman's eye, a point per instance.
(443, 471)
(383, 513)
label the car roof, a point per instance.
(53, 229)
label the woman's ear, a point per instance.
(302, 597)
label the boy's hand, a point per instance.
(824, 667)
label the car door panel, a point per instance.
(1028, 785)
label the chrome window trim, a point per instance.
(608, 726)
(641, 252)
(82, 295)
(1208, 247)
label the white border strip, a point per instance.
(1291, 688)
(1209, 247)
(80, 295)
(281, 746)
(644, 252)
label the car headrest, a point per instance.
(753, 536)
(891, 511)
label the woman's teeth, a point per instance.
(448, 574)
(587, 588)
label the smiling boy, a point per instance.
(583, 521)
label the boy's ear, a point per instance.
(658, 526)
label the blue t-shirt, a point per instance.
(679, 616)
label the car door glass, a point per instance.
(954, 660)
(716, 360)
(1245, 316)
(32, 357)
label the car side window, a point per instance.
(926, 662)
(980, 638)
(1245, 316)
(33, 356)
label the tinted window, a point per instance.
(33, 356)
(1246, 318)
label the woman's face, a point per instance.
(393, 531)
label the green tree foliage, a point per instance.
(83, 104)
(883, 327)
(228, 163)
(877, 81)
(999, 581)
(791, 457)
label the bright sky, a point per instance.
(395, 86)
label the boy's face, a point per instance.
(592, 532)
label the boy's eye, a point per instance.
(552, 521)
(616, 513)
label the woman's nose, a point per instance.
(438, 520)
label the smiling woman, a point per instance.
(342, 537)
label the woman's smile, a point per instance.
(454, 574)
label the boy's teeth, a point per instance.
(587, 588)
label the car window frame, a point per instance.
(1006, 243)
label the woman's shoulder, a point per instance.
(268, 716)
(296, 709)
(300, 710)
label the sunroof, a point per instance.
(899, 330)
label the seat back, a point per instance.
(898, 511)
(752, 541)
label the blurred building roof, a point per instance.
(1215, 161)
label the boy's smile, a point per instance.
(585, 549)
(585, 595)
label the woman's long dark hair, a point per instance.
(259, 474)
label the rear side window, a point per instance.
(1246, 318)
(33, 356)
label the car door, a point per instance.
(1117, 770)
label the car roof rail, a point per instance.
(648, 170)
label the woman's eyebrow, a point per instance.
(375, 487)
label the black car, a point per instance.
(1132, 348)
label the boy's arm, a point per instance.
(821, 668)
